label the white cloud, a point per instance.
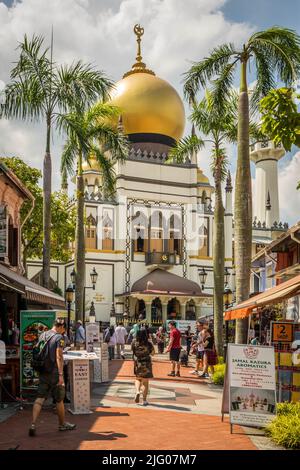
(289, 196)
(176, 31)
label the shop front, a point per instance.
(270, 323)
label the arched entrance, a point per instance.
(190, 310)
(156, 312)
(140, 310)
(173, 309)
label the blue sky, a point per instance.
(264, 13)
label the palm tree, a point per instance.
(38, 90)
(219, 126)
(275, 53)
(90, 134)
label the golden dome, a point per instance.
(148, 104)
(201, 178)
(93, 166)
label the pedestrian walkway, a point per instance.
(183, 413)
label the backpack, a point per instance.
(107, 337)
(39, 353)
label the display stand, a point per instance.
(79, 372)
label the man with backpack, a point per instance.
(48, 360)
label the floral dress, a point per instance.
(142, 359)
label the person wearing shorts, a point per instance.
(199, 347)
(51, 381)
(174, 349)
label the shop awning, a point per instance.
(274, 295)
(31, 290)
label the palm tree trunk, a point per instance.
(243, 207)
(218, 259)
(80, 245)
(47, 177)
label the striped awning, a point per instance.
(33, 292)
(271, 296)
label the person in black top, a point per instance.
(210, 355)
(188, 337)
(51, 379)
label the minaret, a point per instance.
(228, 217)
(268, 212)
(266, 155)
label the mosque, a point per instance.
(152, 242)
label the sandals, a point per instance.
(32, 431)
(67, 427)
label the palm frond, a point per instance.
(111, 140)
(107, 170)
(184, 149)
(79, 85)
(222, 86)
(282, 49)
(69, 156)
(202, 72)
(23, 100)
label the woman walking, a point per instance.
(210, 355)
(112, 342)
(142, 350)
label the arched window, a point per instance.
(156, 311)
(107, 232)
(204, 237)
(91, 233)
(190, 310)
(140, 310)
(139, 233)
(86, 185)
(203, 197)
(173, 309)
(156, 232)
(97, 187)
(175, 235)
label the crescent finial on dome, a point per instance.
(139, 66)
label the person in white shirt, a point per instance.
(199, 346)
(121, 335)
(80, 335)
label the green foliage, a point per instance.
(63, 216)
(284, 430)
(280, 118)
(92, 133)
(274, 53)
(219, 374)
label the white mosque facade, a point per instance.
(150, 241)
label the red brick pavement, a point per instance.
(121, 428)
(125, 428)
(124, 369)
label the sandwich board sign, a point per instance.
(250, 385)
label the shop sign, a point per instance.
(92, 335)
(182, 325)
(33, 324)
(252, 385)
(282, 332)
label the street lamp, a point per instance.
(73, 278)
(202, 276)
(93, 276)
(69, 299)
(226, 276)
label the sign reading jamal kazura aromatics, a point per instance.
(252, 385)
